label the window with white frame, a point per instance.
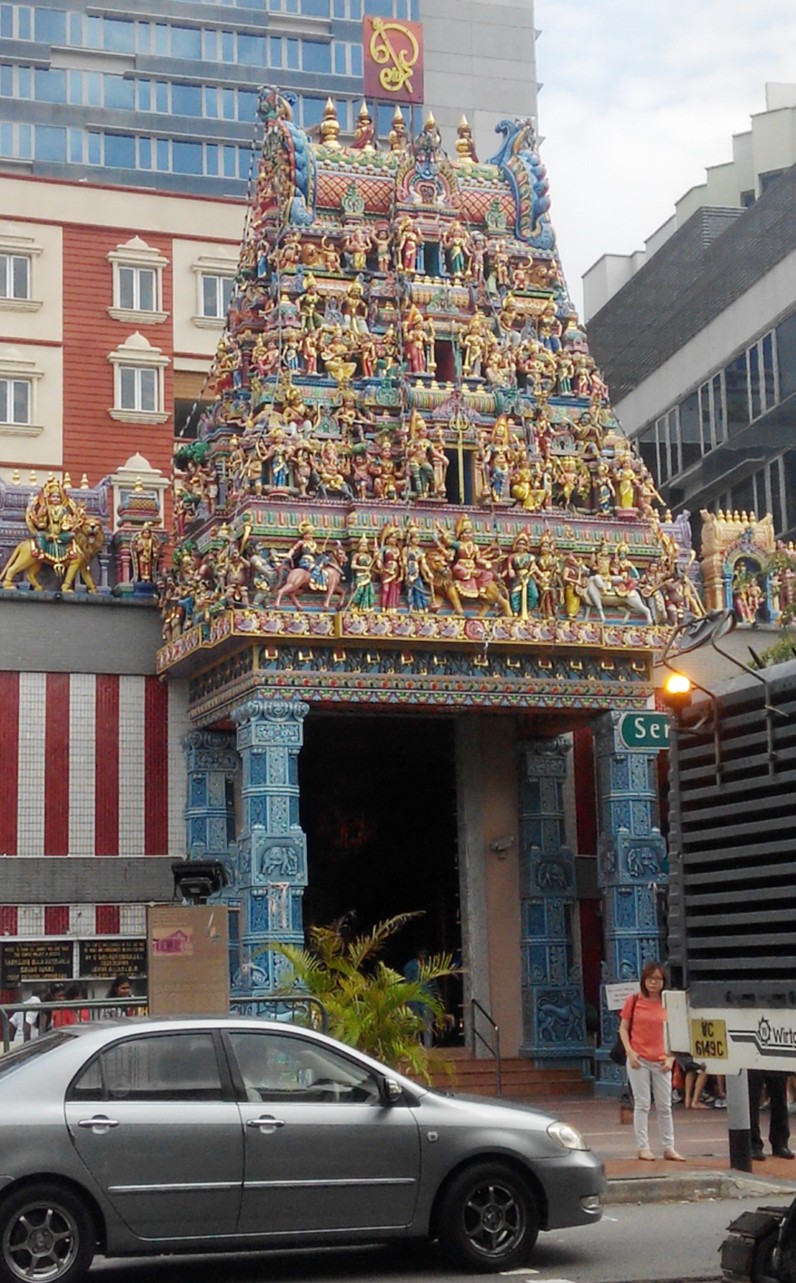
(18, 379)
(138, 383)
(137, 289)
(216, 292)
(14, 276)
(137, 283)
(215, 286)
(17, 259)
(138, 388)
(16, 401)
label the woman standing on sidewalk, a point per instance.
(649, 1068)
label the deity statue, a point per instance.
(747, 595)
(363, 591)
(521, 572)
(456, 242)
(471, 568)
(547, 577)
(573, 580)
(383, 247)
(356, 243)
(144, 547)
(417, 576)
(389, 569)
(309, 305)
(414, 332)
(408, 242)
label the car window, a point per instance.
(280, 1067)
(19, 1056)
(181, 1066)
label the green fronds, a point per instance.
(370, 1005)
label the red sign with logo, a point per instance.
(393, 53)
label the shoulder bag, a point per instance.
(617, 1053)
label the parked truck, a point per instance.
(732, 915)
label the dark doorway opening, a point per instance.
(378, 806)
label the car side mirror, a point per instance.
(391, 1091)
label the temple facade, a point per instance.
(411, 498)
(412, 579)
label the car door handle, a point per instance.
(99, 1124)
(265, 1124)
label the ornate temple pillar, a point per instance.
(211, 763)
(554, 1027)
(632, 872)
(272, 849)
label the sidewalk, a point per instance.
(700, 1136)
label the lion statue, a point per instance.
(85, 538)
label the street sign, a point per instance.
(645, 732)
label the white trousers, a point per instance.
(651, 1079)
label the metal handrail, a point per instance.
(287, 1007)
(291, 1006)
(494, 1051)
(96, 1007)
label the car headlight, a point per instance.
(566, 1136)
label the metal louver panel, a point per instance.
(732, 913)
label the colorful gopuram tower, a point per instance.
(411, 490)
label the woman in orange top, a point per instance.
(649, 1068)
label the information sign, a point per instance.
(103, 959)
(644, 732)
(24, 960)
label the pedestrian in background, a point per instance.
(25, 1024)
(649, 1066)
(775, 1084)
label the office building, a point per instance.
(169, 101)
(696, 335)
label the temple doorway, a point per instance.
(378, 806)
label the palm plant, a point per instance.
(370, 1005)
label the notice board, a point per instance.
(188, 960)
(105, 958)
(25, 960)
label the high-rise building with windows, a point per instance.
(169, 101)
(696, 335)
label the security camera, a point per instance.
(197, 880)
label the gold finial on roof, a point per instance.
(32, 478)
(15, 477)
(465, 145)
(84, 481)
(330, 125)
(139, 485)
(398, 134)
(364, 131)
(67, 481)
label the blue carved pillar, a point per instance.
(632, 871)
(272, 850)
(554, 1027)
(212, 763)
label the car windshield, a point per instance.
(12, 1060)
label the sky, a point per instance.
(638, 98)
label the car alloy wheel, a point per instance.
(47, 1236)
(488, 1219)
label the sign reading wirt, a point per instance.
(393, 58)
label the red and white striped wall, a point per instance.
(91, 765)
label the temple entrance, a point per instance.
(378, 806)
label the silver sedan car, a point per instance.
(147, 1136)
